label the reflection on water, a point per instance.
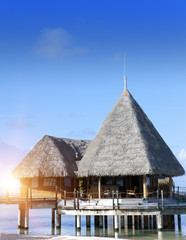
(40, 223)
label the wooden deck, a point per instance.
(154, 208)
(34, 203)
(123, 206)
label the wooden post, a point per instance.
(22, 218)
(56, 199)
(122, 221)
(78, 222)
(146, 221)
(26, 220)
(74, 194)
(77, 199)
(100, 221)
(26, 211)
(88, 221)
(154, 221)
(172, 222)
(99, 187)
(133, 222)
(53, 217)
(151, 222)
(179, 222)
(158, 198)
(27, 196)
(162, 199)
(138, 222)
(144, 187)
(160, 222)
(113, 199)
(96, 221)
(117, 199)
(19, 218)
(31, 197)
(126, 222)
(142, 222)
(170, 187)
(106, 221)
(116, 225)
(58, 220)
(65, 193)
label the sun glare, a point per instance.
(7, 182)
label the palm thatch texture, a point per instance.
(128, 144)
(52, 157)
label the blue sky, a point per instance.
(61, 68)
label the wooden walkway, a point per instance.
(157, 208)
(127, 205)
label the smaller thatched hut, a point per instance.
(52, 162)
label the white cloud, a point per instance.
(182, 154)
(55, 42)
(20, 124)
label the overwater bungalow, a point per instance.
(127, 154)
(127, 158)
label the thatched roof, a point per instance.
(128, 144)
(51, 157)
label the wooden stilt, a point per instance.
(58, 220)
(146, 222)
(106, 221)
(142, 222)
(122, 221)
(138, 222)
(100, 221)
(149, 221)
(179, 222)
(99, 187)
(133, 222)
(172, 222)
(22, 218)
(96, 221)
(126, 222)
(116, 225)
(26, 222)
(154, 221)
(144, 187)
(160, 222)
(130, 222)
(19, 218)
(78, 222)
(88, 221)
(53, 217)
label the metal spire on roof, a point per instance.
(125, 82)
(125, 77)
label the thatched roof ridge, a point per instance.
(51, 157)
(128, 144)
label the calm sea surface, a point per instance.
(40, 223)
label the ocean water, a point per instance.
(40, 223)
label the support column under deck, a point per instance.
(53, 217)
(78, 222)
(160, 222)
(58, 220)
(116, 224)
